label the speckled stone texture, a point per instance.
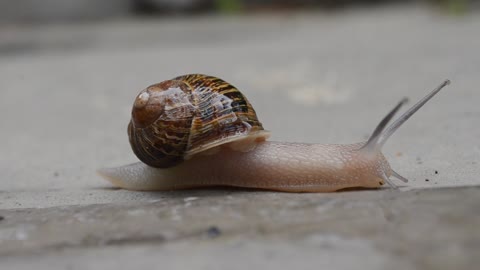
(421, 229)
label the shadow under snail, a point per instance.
(198, 131)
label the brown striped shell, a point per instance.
(191, 114)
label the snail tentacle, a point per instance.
(372, 141)
(399, 177)
(402, 119)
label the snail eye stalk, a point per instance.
(380, 136)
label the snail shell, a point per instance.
(188, 115)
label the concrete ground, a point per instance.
(66, 94)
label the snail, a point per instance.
(199, 131)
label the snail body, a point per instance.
(240, 156)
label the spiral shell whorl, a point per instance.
(176, 119)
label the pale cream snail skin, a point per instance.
(279, 166)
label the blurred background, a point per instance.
(77, 10)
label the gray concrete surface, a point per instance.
(253, 230)
(65, 97)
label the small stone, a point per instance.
(426, 180)
(436, 172)
(2, 218)
(213, 232)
